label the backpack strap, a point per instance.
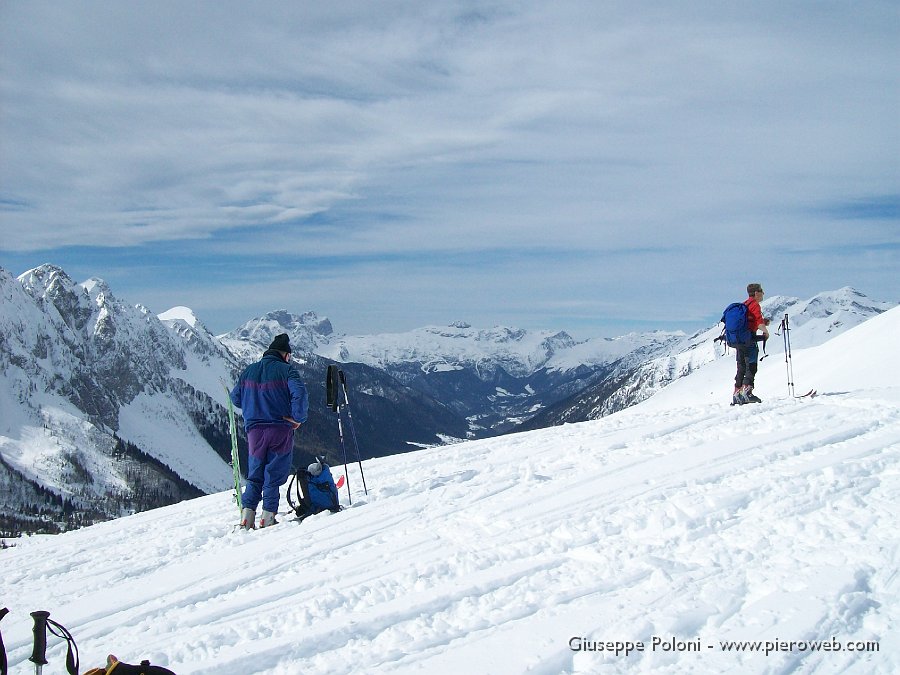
(300, 483)
(293, 484)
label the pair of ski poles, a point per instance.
(335, 387)
(785, 329)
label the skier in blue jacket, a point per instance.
(274, 402)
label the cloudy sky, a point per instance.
(591, 166)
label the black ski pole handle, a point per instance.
(39, 653)
(331, 388)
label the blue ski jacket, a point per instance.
(269, 391)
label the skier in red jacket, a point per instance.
(748, 354)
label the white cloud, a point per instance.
(404, 128)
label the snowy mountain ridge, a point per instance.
(87, 384)
(501, 377)
(709, 538)
(810, 322)
(307, 334)
(106, 408)
(522, 352)
(456, 346)
(518, 352)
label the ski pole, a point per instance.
(43, 623)
(3, 663)
(789, 366)
(787, 331)
(344, 451)
(352, 428)
(784, 342)
(39, 652)
(331, 401)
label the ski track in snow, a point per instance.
(701, 522)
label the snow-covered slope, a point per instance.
(705, 533)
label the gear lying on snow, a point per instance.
(314, 489)
(43, 624)
(116, 667)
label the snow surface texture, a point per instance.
(681, 519)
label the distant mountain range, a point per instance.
(106, 408)
(631, 380)
(495, 378)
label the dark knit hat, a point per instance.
(281, 343)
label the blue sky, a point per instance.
(597, 167)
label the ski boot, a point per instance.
(248, 516)
(268, 518)
(746, 395)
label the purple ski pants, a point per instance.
(268, 464)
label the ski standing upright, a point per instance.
(235, 459)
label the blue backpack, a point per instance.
(736, 331)
(322, 491)
(315, 491)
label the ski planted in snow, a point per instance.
(810, 394)
(235, 459)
